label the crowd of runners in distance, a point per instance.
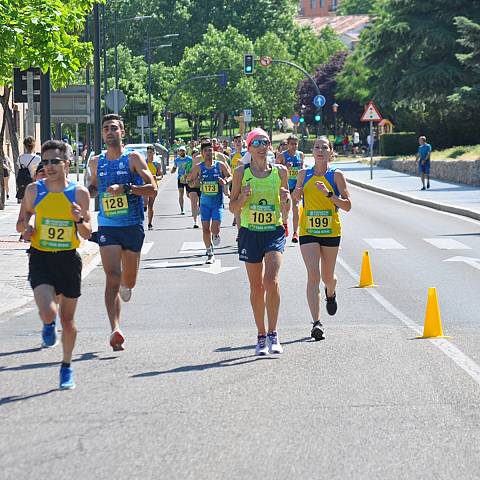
(262, 186)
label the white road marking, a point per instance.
(91, 265)
(192, 247)
(22, 311)
(448, 348)
(384, 244)
(213, 269)
(473, 262)
(174, 264)
(447, 244)
(146, 247)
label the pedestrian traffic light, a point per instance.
(248, 63)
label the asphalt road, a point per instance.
(189, 400)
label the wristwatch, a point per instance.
(81, 220)
(329, 194)
(127, 188)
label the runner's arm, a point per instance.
(297, 194)
(149, 189)
(238, 195)
(343, 201)
(92, 179)
(81, 209)
(284, 190)
(194, 173)
(227, 173)
(29, 212)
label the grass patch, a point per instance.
(460, 152)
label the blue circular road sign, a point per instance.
(319, 101)
(295, 118)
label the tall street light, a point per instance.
(148, 49)
(335, 110)
(132, 19)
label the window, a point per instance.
(312, 4)
(333, 8)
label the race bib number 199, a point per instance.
(114, 205)
(319, 222)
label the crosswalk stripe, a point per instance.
(447, 244)
(146, 247)
(384, 244)
(192, 247)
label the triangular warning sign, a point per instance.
(371, 114)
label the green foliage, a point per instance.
(45, 34)
(400, 143)
(356, 7)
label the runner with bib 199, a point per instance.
(259, 191)
(121, 179)
(324, 192)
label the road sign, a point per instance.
(265, 61)
(319, 101)
(110, 99)
(295, 118)
(247, 115)
(20, 85)
(371, 114)
(222, 79)
(143, 124)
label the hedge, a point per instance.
(401, 143)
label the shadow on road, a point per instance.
(250, 347)
(233, 362)
(19, 398)
(20, 352)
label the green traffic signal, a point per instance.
(301, 119)
(248, 62)
(318, 117)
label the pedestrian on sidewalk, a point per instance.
(27, 164)
(6, 176)
(423, 160)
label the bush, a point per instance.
(401, 143)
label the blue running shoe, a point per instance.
(49, 335)
(66, 378)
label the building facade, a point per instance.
(318, 8)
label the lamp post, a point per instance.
(148, 49)
(135, 19)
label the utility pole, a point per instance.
(97, 82)
(45, 112)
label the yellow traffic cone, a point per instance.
(432, 327)
(366, 277)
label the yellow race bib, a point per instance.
(293, 172)
(210, 188)
(318, 222)
(56, 234)
(114, 205)
(262, 218)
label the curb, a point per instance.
(444, 207)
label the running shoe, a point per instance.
(285, 226)
(49, 335)
(234, 223)
(150, 226)
(182, 212)
(317, 332)
(125, 293)
(66, 378)
(261, 349)
(117, 340)
(295, 238)
(428, 185)
(423, 188)
(331, 303)
(210, 258)
(216, 240)
(195, 225)
(274, 343)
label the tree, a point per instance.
(356, 7)
(326, 79)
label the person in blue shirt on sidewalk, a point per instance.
(423, 157)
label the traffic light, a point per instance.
(301, 119)
(318, 117)
(248, 63)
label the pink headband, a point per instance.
(256, 132)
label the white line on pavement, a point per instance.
(146, 247)
(447, 244)
(448, 348)
(384, 244)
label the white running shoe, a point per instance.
(210, 258)
(274, 343)
(261, 349)
(216, 240)
(125, 293)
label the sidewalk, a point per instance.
(14, 284)
(448, 197)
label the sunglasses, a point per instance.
(257, 143)
(52, 161)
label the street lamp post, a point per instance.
(335, 110)
(115, 44)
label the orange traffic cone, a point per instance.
(366, 277)
(432, 327)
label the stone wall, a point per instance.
(456, 171)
